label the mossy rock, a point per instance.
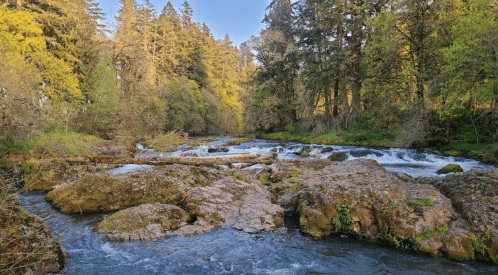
(304, 152)
(450, 168)
(144, 222)
(459, 247)
(339, 156)
(44, 175)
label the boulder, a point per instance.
(361, 198)
(145, 222)
(475, 196)
(229, 202)
(167, 184)
(339, 156)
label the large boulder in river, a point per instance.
(106, 192)
(239, 203)
(361, 198)
(144, 222)
(475, 195)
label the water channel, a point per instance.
(227, 251)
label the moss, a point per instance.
(264, 179)
(443, 229)
(297, 172)
(424, 202)
(453, 153)
(238, 141)
(450, 168)
(299, 186)
(200, 141)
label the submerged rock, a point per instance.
(450, 168)
(220, 149)
(144, 222)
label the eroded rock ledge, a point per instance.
(356, 198)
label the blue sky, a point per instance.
(239, 18)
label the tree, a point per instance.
(101, 94)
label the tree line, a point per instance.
(412, 64)
(422, 67)
(63, 70)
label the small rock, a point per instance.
(339, 156)
(327, 150)
(450, 168)
(304, 152)
(218, 150)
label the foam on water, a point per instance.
(412, 162)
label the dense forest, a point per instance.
(424, 72)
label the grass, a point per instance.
(61, 143)
(165, 142)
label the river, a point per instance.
(227, 251)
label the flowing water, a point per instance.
(227, 251)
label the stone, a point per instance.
(327, 150)
(145, 222)
(304, 152)
(339, 156)
(218, 150)
(450, 168)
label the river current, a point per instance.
(227, 251)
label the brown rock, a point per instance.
(144, 222)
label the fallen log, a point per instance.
(195, 161)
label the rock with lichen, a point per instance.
(145, 222)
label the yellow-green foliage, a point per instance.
(65, 143)
(21, 36)
(165, 142)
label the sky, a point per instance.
(241, 19)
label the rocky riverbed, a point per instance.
(453, 217)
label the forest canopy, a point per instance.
(427, 70)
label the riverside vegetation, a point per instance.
(327, 72)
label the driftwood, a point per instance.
(195, 161)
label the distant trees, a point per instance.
(390, 62)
